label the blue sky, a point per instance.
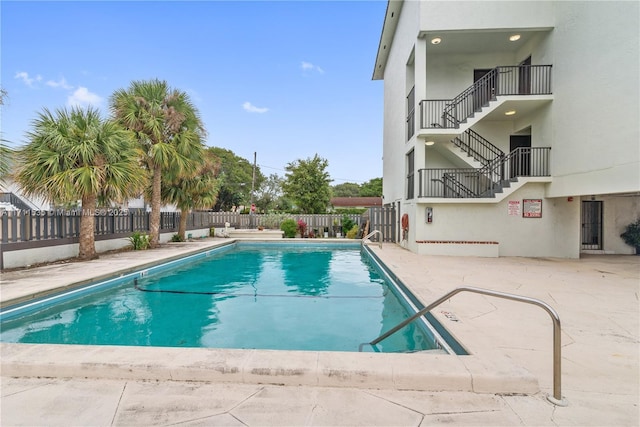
(286, 79)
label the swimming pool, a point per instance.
(283, 296)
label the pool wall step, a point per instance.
(414, 371)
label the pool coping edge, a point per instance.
(423, 371)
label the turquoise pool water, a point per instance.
(245, 295)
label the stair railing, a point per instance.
(502, 80)
(556, 399)
(478, 147)
(18, 202)
(452, 183)
(472, 99)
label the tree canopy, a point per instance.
(235, 176)
(75, 155)
(269, 195)
(169, 132)
(196, 189)
(371, 188)
(307, 184)
(347, 189)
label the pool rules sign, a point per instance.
(528, 208)
(532, 208)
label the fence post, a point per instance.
(14, 228)
(62, 226)
(5, 227)
(23, 226)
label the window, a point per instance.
(410, 174)
(411, 123)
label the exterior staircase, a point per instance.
(484, 95)
(499, 171)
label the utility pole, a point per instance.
(253, 185)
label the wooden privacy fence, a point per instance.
(380, 218)
(26, 225)
(383, 218)
(30, 225)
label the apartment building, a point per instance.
(511, 128)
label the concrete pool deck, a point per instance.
(504, 381)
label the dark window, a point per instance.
(411, 105)
(410, 174)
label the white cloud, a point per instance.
(81, 97)
(60, 83)
(308, 66)
(253, 109)
(24, 76)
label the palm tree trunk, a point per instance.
(87, 249)
(154, 223)
(182, 225)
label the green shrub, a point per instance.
(139, 241)
(353, 232)
(212, 232)
(289, 226)
(631, 235)
(357, 211)
(347, 224)
(177, 238)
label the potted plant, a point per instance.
(336, 227)
(347, 224)
(631, 235)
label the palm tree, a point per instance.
(75, 154)
(5, 159)
(195, 190)
(168, 129)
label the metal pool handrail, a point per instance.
(371, 234)
(557, 394)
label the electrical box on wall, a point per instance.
(428, 214)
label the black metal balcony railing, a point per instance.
(485, 182)
(503, 80)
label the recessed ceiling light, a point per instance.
(436, 40)
(514, 38)
(510, 113)
(429, 142)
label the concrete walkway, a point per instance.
(510, 343)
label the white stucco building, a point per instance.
(511, 128)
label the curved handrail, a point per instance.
(371, 234)
(557, 356)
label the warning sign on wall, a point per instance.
(532, 208)
(515, 208)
